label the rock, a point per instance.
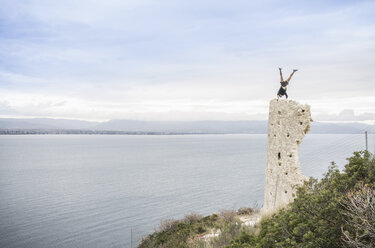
(288, 123)
(209, 236)
(250, 220)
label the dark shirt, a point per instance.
(282, 90)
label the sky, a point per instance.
(185, 59)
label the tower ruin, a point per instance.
(288, 123)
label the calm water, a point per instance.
(90, 191)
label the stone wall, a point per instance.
(288, 123)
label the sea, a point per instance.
(113, 190)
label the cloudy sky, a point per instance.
(185, 59)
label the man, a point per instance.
(282, 90)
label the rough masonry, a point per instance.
(288, 123)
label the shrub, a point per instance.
(245, 211)
(227, 215)
(317, 216)
(359, 208)
(167, 224)
(191, 218)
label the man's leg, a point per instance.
(291, 75)
(281, 76)
(286, 95)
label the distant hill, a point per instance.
(133, 126)
(322, 127)
(186, 126)
(45, 123)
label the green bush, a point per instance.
(317, 216)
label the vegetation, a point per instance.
(360, 210)
(336, 211)
(195, 230)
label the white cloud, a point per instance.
(347, 115)
(188, 59)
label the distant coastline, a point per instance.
(13, 126)
(108, 132)
(89, 132)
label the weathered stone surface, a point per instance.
(288, 123)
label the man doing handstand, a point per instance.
(282, 90)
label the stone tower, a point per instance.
(288, 123)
